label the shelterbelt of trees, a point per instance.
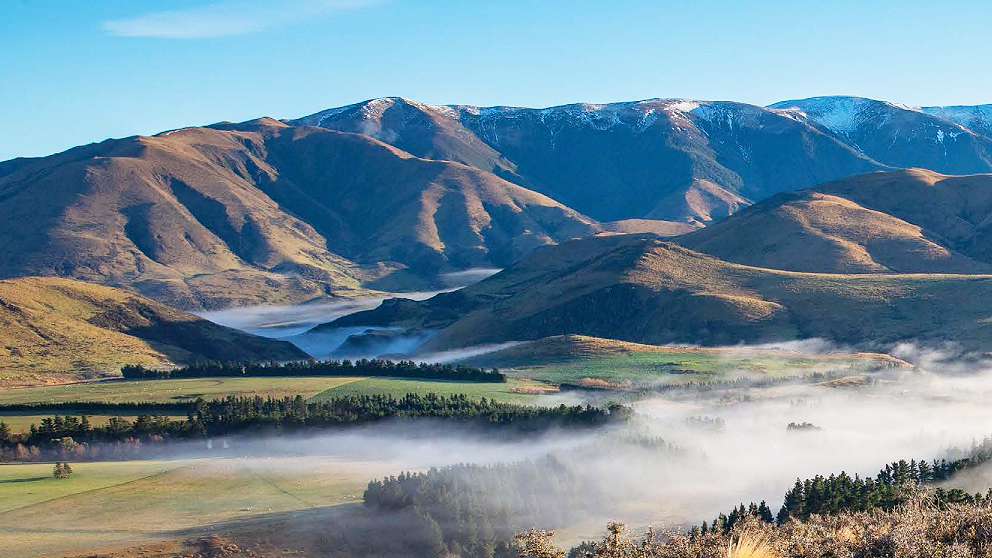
(475, 511)
(362, 367)
(71, 436)
(841, 493)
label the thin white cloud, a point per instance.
(225, 19)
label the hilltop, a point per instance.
(54, 330)
(642, 289)
(908, 221)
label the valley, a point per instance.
(559, 279)
(618, 310)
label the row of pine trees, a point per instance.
(361, 367)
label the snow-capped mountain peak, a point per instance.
(841, 114)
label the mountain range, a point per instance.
(263, 212)
(677, 159)
(390, 194)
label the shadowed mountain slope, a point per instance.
(902, 136)
(644, 290)
(664, 159)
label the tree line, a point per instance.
(841, 493)
(74, 436)
(361, 367)
(473, 510)
(98, 407)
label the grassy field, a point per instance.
(110, 503)
(170, 391)
(516, 390)
(177, 391)
(645, 370)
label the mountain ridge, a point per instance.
(580, 154)
(388, 193)
(642, 289)
(259, 212)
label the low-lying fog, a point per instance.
(294, 322)
(735, 445)
(287, 321)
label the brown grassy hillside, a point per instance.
(955, 209)
(640, 289)
(261, 212)
(54, 330)
(910, 221)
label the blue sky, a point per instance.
(74, 72)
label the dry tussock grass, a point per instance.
(916, 529)
(750, 545)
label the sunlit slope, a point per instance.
(580, 350)
(644, 290)
(261, 212)
(910, 221)
(57, 329)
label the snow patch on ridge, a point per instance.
(684, 105)
(842, 115)
(979, 116)
(837, 114)
(637, 115)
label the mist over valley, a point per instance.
(658, 328)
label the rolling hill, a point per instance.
(909, 221)
(54, 330)
(262, 212)
(644, 290)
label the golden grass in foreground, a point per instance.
(750, 545)
(916, 529)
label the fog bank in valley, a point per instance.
(732, 444)
(294, 322)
